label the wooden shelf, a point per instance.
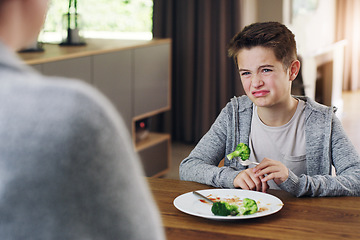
(54, 52)
(152, 139)
(155, 154)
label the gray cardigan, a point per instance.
(68, 168)
(326, 145)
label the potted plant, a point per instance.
(72, 26)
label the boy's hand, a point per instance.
(271, 169)
(247, 180)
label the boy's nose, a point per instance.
(257, 81)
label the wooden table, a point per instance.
(300, 218)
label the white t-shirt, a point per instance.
(285, 143)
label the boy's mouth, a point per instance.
(260, 93)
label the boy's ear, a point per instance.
(294, 69)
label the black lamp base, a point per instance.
(72, 44)
(73, 38)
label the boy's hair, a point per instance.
(273, 35)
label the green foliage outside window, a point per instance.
(111, 16)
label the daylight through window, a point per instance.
(123, 19)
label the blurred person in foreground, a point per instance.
(295, 140)
(68, 169)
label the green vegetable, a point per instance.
(242, 150)
(249, 207)
(224, 209)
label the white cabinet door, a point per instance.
(79, 68)
(151, 78)
(112, 74)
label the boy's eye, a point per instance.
(266, 70)
(244, 73)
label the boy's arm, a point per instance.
(202, 163)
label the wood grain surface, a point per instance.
(54, 52)
(300, 218)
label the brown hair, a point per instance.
(273, 35)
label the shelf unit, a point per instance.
(133, 74)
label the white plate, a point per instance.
(191, 204)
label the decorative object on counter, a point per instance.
(142, 129)
(72, 26)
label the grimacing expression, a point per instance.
(264, 78)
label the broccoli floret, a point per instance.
(242, 150)
(249, 207)
(224, 209)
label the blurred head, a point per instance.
(21, 21)
(271, 35)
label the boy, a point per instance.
(68, 169)
(295, 139)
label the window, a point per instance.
(124, 19)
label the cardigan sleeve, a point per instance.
(343, 157)
(202, 163)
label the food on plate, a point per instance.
(242, 150)
(248, 207)
(224, 209)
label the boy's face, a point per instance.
(264, 78)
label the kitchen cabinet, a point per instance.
(79, 68)
(151, 81)
(133, 74)
(112, 74)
